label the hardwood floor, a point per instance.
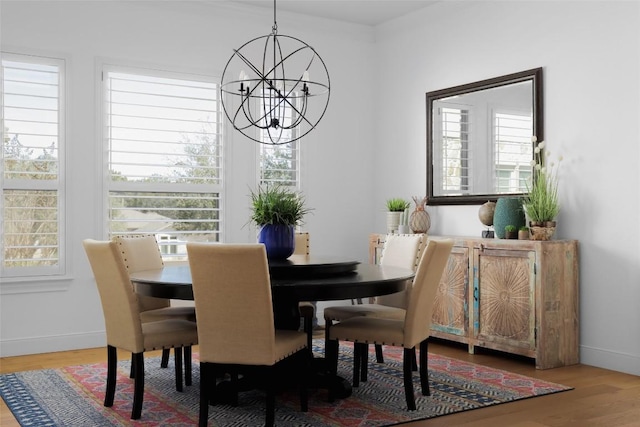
(601, 397)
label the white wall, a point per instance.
(196, 37)
(366, 150)
(590, 52)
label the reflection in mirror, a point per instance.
(479, 138)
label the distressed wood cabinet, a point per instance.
(516, 296)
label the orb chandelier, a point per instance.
(269, 98)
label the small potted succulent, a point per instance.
(523, 233)
(510, 232)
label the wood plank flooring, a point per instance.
(601, 397)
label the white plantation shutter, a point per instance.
(513, 151)
(31, 199)
(280, 164)
(454, 173)
(165, 155)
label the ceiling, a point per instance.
(364, 12)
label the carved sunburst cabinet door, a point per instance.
(504, 299)
(450, 310)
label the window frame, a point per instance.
(52, 274)
(292, 145)
(467, 174)
(516, 173)
(106, 66)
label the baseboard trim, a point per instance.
(50, 344)
(607, 359)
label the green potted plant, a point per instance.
(277, 210)
(542, 204)
(510, 232)
(523, 233)
(395, 208)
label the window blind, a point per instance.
(513, 151)
(33, 139)
(165, 157)
(455, 170)
(280, 164)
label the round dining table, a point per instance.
(298, 278)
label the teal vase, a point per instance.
(508, 212)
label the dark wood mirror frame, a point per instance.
(533, 75)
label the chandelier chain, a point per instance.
(274, 29)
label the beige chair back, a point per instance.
(139, 253)
(400, 250)
(302, 243)
(417, 322)
(119, 302)
(234, 312)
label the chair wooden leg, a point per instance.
(364, 362)
(132, 374)
(206, 377)
(112, 364)
(414, 362)
(187, 365)
(357, 359)
(308, 329)
(164, 362)
(408, 379)
(177, 353)
(305, 370)
(424, 368)
(379, 356)
(271, 398)
(138, 386)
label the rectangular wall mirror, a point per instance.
(479, 138)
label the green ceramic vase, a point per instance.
(508, 212)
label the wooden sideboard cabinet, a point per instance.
(516, 296)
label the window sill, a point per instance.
(38, 284)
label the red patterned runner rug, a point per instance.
(73, 396)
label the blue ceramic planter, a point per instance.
(279, 240)
(508, 212)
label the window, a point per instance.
(454, 174)
(31, 190)
(280, 164)
(513, 151)
(165, 156)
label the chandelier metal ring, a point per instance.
(269, 103)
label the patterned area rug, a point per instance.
(73, 396)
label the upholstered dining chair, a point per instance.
(412, 330)
(302, 243)
(399, 250)
(124, 328)
(234, 312)
(307, 309)
(141, 252)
